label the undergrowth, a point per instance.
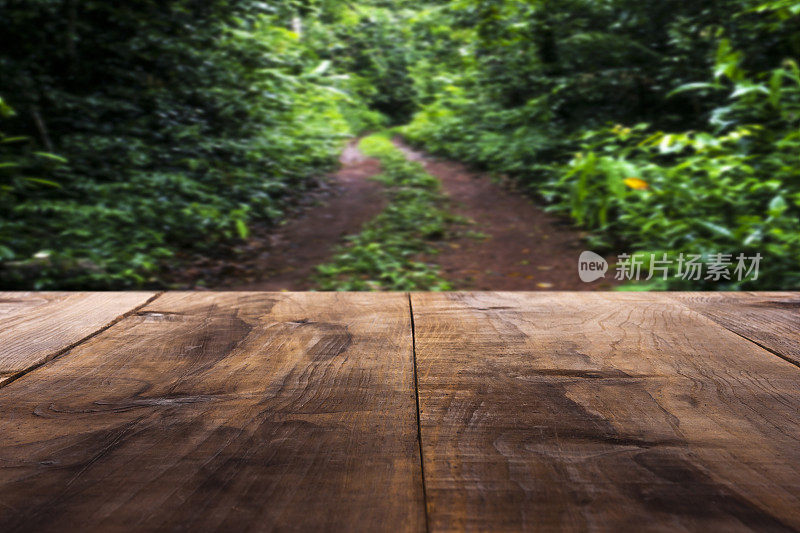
(385, 254)
(663, 129)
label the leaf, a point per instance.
(52, 157)
(44, 182)
(5, 110)
(743, 89)
(9, 140)
(716, 229)
(775, 86)
(321, 68)
(636, 184)
(242, 229)
(666, 143)
(689, 87)
(777, 206)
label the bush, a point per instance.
(176, 124)
(703, 104)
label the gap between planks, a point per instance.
(58, 353)
(763, 347)
(740, 334)
(419, 423)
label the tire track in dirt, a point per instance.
(311, 238)
(526, 249)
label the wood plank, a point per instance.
(770, 319)
(601, 412)
(35, 326)
(222, 412)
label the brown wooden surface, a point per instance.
(601, 412)
(770, 319)
(221, 412)
(300, 411)
(35, 326)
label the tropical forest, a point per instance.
(399, 145)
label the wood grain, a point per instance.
(601, 412)
(221, 412)
(34, 326)
(770, 319)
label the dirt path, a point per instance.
(526, 248)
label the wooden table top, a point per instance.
(393, 412)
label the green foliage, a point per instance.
(691, 192)
(733, 190)
(712, 93)
(385, 255)
(134, 131)
(177, 123)
(372, 43)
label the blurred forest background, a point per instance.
(133, 131)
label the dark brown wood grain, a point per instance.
(35, 326)
(266, 411)
(769, 319)
(221, 412)
(609, 412)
